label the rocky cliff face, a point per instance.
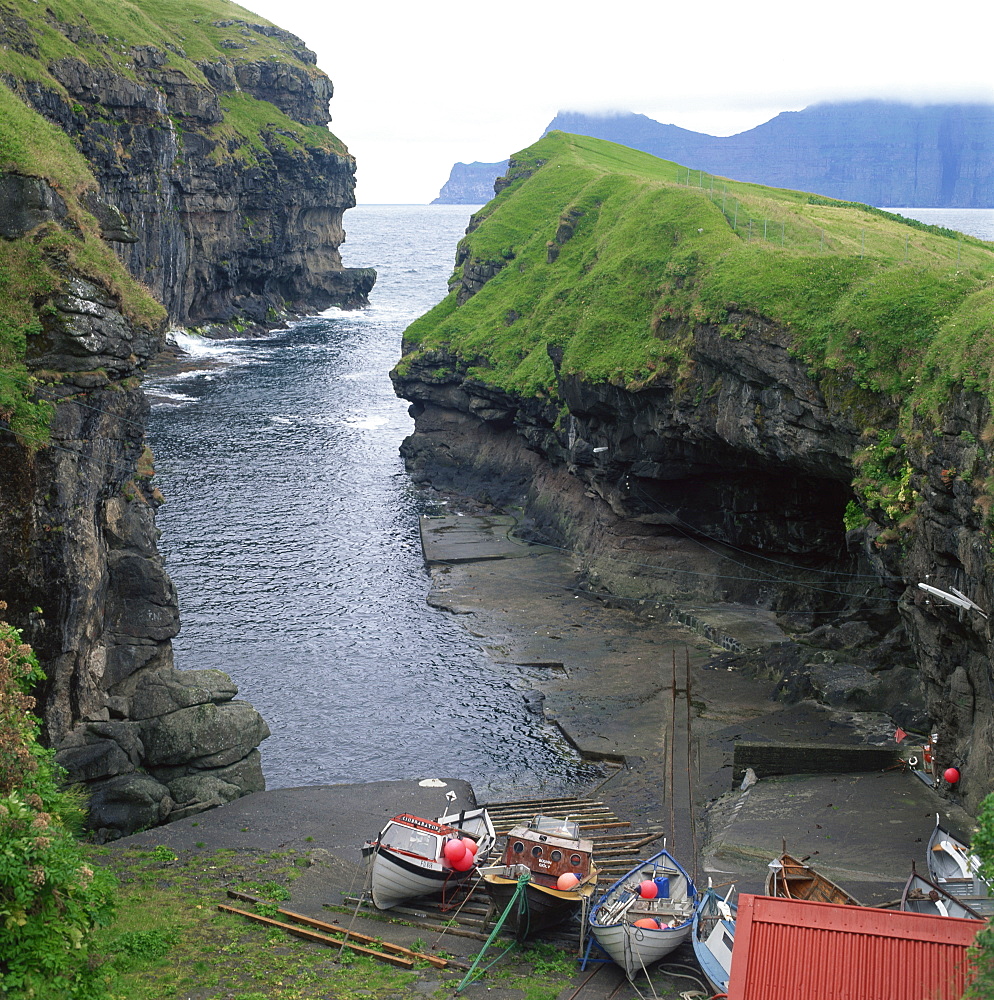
(875, 152)
(470, 183)
(221, 171)
(80, 571)
(733, 488)
(745, 475)
(215, 179)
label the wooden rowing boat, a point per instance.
(646, 914)
(561, 874)
(409, 858)
(793, 879)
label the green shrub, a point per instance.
(982, 952)
(49, 897)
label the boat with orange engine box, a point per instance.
(416, 857)
(558, 866)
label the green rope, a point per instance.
(519, 894)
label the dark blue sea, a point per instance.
(291, 532)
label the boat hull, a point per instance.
(612, 922)
(792, 879)
(713, 936)
(408, 860)
(922, 896)
(953, 869)
(636, 948)
(541, 906)
(397, 879)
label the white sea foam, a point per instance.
(161, 398)
(201, 347)
(365, 422)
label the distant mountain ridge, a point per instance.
(876, 152)
(883, 153)
(470, 183)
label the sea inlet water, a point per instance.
(291, 532)
(290, 529)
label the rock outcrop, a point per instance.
(470, 183)
(80, 571)
(716, 459)
(222, 169)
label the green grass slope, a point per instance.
(33, 269)
(104, 34)
(901, 307)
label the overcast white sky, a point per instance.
(421, 84)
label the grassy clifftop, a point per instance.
(611, 256)
(34, 268)
(188, 35)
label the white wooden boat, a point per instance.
(921, 895)
(409, 859)
(954, 869)
(713, 935)
(645, 914)
(560, 870)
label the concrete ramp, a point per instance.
(460, 539)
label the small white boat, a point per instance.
(921, 895)
(954, 869)
(410, 857)
(713, 936)
(645, 914)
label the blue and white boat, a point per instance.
(713, 935)
(646, 914)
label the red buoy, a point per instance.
(951, 774)
(464, 863)
(455, 850)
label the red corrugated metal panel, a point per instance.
(790, 949)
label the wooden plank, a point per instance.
(425, 923)
(521, 803)
(404, 963)
(301, 918)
